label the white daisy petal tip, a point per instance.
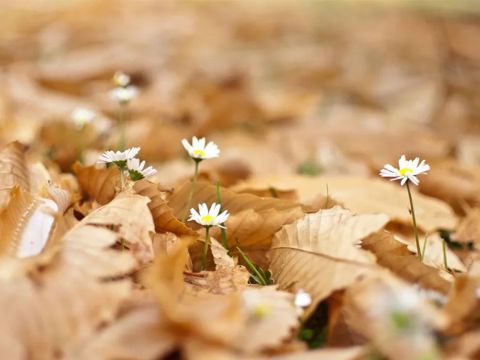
(197, 150)
(209, 217)
(118, 157)
(407, 170)
(137, 170)
(123, 95)
(82, 117)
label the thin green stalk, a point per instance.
(424, 246)
(122, 117)
(444, 251)
(253, 268)
(205, 247)
(122, 179)
(415, 230)
(192, 189)
(222, 230)
(81, 145)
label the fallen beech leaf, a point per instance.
(59, 298)
(140, 334)
(469, 228)
(279, 320)
(364, 195)
(27, 223)
(463, 304)
(162, 214)
(13, 171)
(395, 256)
(99, 184)
(320, 253)
(130, 216)
(227, 278)
(368, 307)
(253, 220)
(348, 353)
(455, 184)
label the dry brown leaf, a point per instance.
(369, 304)
(162, 214)
(275, 326)
(348, 353)
(140, 334)
(227, 278)
(13, 171)
(58, 299)
(363, 196)
(469, 228)
(455, 184)
(98, 184)
(320, 253)
(29, 222)
(253, 220)
(395, 256)
(129, 215)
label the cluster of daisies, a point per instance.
(127, 162)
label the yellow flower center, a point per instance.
(199, 152)
(405, 171)
(262, 310)
(207, 218)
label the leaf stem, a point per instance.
(415, 230)
(122, 178)
(205, 247)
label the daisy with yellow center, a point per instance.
(407, 172)
(208, 218)
(198, 151)
(119, 159)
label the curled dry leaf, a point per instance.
(227, 278)
(368, 307)
(129, 215)
(28, 223)
(253, 220)
(98, 184)
(163, 215)
(320, 253)
(13, 171)
(57, 300)
(364, 196)
(275, 326)
(469, 228)
(140, 334)
(395, 256)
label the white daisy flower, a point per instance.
(198, 151)
(119, 158)
(137, 170)
(121, 79)
(302, 299)
(82, 117)
(210, 217)
(123, 95)
(407, 170)
(255, 304)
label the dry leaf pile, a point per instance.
(306, 101)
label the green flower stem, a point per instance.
(222, 230)
(205, 247)
(122, 117)
(192, 189)
(252, 267)
(444, 251)
(415, 230)
(122, 178)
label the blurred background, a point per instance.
(283, 87)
